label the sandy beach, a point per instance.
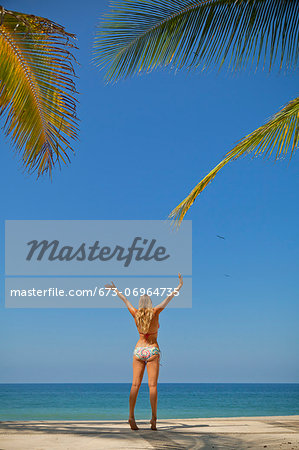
(278, 432)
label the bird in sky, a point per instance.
(220, 237)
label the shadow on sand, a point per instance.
(176, 436)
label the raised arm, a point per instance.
(165, 302)
(122, 297)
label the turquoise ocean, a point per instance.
(175, 400)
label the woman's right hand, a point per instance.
(181, 279)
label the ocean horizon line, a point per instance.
(162, 382)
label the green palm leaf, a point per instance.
(37, 91)
(139, 35)
(278, 137)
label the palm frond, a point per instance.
(278, 137)
(140, 35)
(37, 90)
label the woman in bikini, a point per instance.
(147, 351)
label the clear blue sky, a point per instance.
(144, 144)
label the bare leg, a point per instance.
(153, 373)
(138, 371)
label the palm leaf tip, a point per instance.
(277, 138)
(38, 98)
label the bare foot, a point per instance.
(133, 424)
(153, 423)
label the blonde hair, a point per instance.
(144, 314)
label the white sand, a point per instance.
(278, 432)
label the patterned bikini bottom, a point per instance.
(144, 353)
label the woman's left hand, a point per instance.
(110, 286)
